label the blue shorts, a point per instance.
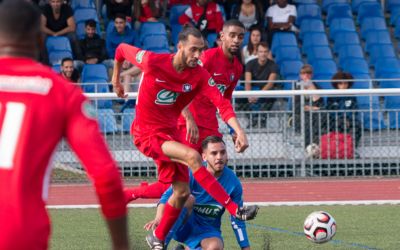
(192, 234)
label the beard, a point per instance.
(186, 62)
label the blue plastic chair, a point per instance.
(356, 65)
(57, 43)
(372, 24)
(56, 56)
(211, 37)
(339, 10)
(368, 10)
(370, 112)
(319, 53)
(83, 14)
(310, 26)
(390, 5)
(377, 37)
(345, 38)
(394, 14)
(283, 39)
(327, 3)
(288, 69)
(79, 4)
(107, 121)
(386, 66)
(175, 12)
(390, 103)
(151, 28)
(355, 4)
(349, 52)
(363, 81)
(305, 2)
(324, 67)
(155, 42)
(311, 40)
(127, 117)
(94, 73)
(378, 51)
(308, 11)
(339, 25)
(287, 53)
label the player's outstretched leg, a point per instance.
(145, 191)
(247, 212)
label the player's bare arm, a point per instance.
(115, 80)
(192, 131)
(241, 142)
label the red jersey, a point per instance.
(164, 92)
(226, 75)
(37, 109)
(214, 18)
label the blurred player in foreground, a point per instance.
(199, 119)
(169, 83)
(200, 225)
(37, 109)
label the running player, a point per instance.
(200, 121)
(169, 83)
(202, 228)
(38, 108)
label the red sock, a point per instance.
(152, 191)
(214, 188)
(168, 219)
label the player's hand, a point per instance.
(119, 90)
(151, 224)
(234, 137)
(192, 131)
(241, 142)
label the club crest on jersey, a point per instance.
(232, 77)
(166, 97)
(139, 56)
(199, 62)
(89, 110)
(211, 82)
(187, 87)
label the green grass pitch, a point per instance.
(358, 227)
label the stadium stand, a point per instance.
(76, 4)
(175, 12)
(287, 53)
(307, 11)
(83, 14)
(338, 10)
(311, 26)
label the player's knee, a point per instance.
(182, 194)
(193, 159)
(213, 245)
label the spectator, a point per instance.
(344, 119)
(249, 13)
(204, 15)
(68, 71)
(281, 17)
(115, 7)
(58, 20)
(121, 33)
(314, 121)
(146, 11)
(265, 71)
(93, 47)
(249, 51)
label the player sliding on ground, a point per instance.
(169, 83)
(199, 119)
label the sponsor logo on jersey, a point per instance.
(166, 97)
(89, 110)
(187, 87)
(221, 88)
(208, 210)
(199, 62)
(211, 82)
(139, 56)
(159, 80)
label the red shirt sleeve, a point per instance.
(135, 55)
(184, 19)
(219, 20)
(82, 133)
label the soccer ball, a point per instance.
(319, 227)
(313, 151)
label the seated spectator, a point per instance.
(249, 13)
(344, 119)
(58, 20)
(204, 15)
(264, 71)
(115, 7)
(281, 18)
(68, 71)
(146, 11)
(121, 33)
(93, 47)
(249, 51)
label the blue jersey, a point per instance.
(205, 220)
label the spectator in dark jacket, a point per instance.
(92, 46)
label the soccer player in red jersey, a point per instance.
(169, 83)
(38, 108)
(200, 121)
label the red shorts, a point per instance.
(203, 134)
(150, 146)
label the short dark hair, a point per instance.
(120, 15)
(211, 139)
(263, 44)
(187, 31)
(66, 59)
(19, 21)
(233, 22)
(342, 76)
(91, 23)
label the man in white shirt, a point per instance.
(281, 17)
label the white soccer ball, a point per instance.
(313, 151)
(320, 227)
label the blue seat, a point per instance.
(355, 4)
(324, 70)
(287, 54)
(327, 3)
(340, 10)
(175, 12)
(94, 73)
(107, 121)
(362, 81)
(289, 69)
(81, 15)
(348, 52)
(390, 5)
(370, 113)
(56, 68)
(314, 39)
(56, 56)
(151, 28)
(392, 104)
(356, 65)
(319, 53)
(155, 42)
(372, 24)
(127, 117)
(305, 2)
(311, 25)
(283, 39)
(397, 29)
(345, 38)
(394, 14)
(339, 25)
(377, 37)
(386, 66)
(211, 37)
(378, 51)
(308, 11)
(57, 43)
(79, 4)
(368, 10)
